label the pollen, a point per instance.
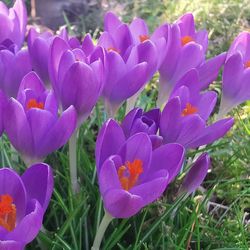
(129, 173)
(189, 110)
(7, 212)
(143, 38)
(247, 64)
(33, 103)
(113, 49)
(186, 39)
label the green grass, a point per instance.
(172, 222)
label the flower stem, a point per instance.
(73, 162)
(101, 230)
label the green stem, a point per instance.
(73, 162)
(101, 230)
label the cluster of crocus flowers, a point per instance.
(50, 88)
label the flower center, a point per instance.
(143, 38)
(247, 64)
(7, 212)
(33, 103)
(186, 39)
(189, 110)
(114, 49)
(129, 173)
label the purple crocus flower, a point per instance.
(13, 23)
(76, 79)
(131, 175)
(32, 123)
(13, 67)
(121, 36)
(183, 120)
(131, 52)
(236, 74)
(186, 50)
(148, 122)
(23, 202)
(196, 174)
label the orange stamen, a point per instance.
(134, 170)
(7, 212)
(143, 38)
(189, 110)
(114, 49)
(186, 39)
(247, 64)
(32, 103)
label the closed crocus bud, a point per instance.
(31, 121)
(196, 174)
(183, 120)
(186, 50)
(131, 175)
(13, 23)
(148, 122)
(23, 202)
(77, 79)
(236, 75)
(13, 67)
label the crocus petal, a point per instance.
(88, 45)
(40, 122)
(191, 56)
(59, 134)
(212, 133)
(108, 178)
(30, 225)
(80, 81)
(123, 38)
(109, 140)
(31, 81)
(168, 157)
(133, 84)
(191, 127)
(138, 27)
(206, 104)
(209, 71)
(11, 183)
(58, 47)
(232, 71)
(152, 190)
(111, 22)
(38, 181)
(129, 119)
(201, 37)
(186, 24)
(196, 174)
(5, 27)
(170, 124)
(139, 147)
(122, 204)
(20, 136)
(115, 69)
(167, 69)
(21, 12)
(156, 141)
